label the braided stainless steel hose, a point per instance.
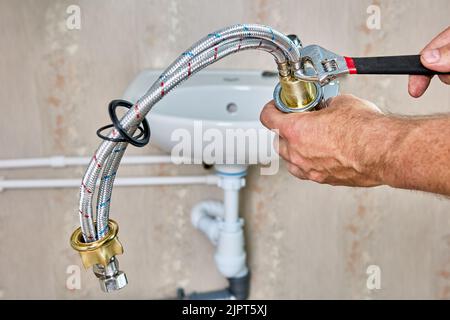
(174, 75)
(111, 167)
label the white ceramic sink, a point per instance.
(210, 108)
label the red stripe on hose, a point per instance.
(86, 188)
(189, 69)
(136, 111)
(351, 65)
(162, 89)
(215, 53)
(96, 161)
(84, 215)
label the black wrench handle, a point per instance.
(389, 65)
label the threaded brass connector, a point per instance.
(100, 251)
(297, 94)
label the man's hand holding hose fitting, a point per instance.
(344, 144)
(350, 143)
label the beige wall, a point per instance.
(304, 240)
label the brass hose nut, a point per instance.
(296, 93)
(100, 251)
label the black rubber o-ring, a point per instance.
(116, 123)
(100, 135)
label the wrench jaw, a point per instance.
(326, 66)
(329, 90)
(320, 68)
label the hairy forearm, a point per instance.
(414, 153)
(351, 143)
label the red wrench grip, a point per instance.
(389, 65)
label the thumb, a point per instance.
(437, 59)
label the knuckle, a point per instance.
(285, 155)
(445, 78)
(342, 97)
(317, 176)
(296, 159)
(292, 169)
(340, 101)
(264, 116)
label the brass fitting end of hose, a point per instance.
(283, 69)
(100, 251)
(297, 94)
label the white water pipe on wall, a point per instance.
(124, 182)
(63, 161)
